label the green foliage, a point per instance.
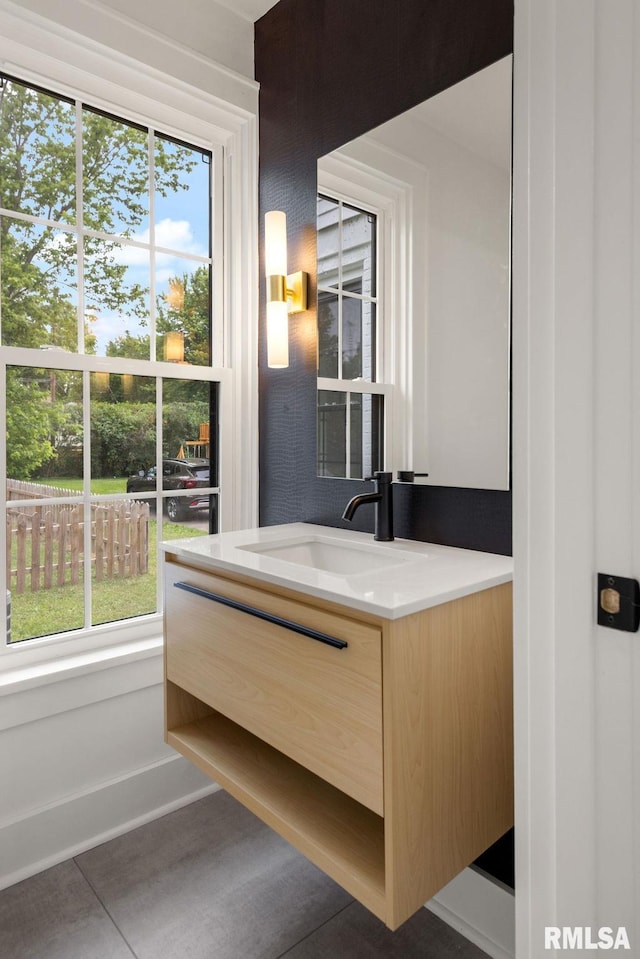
(123, 435)
(133, 347)
(181, 422)
(122, 438)
(37, 155)
(44, 420)
(115, 174)
(29, 426)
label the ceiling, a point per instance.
(249, 9)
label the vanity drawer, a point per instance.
(320, 704)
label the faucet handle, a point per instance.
(408, 476)
(381, 476)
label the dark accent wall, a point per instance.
(330, 70)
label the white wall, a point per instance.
(82, 760)
(202, 26)
(461, 271)
(82, 756)
(576, 464)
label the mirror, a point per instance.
(424, 304)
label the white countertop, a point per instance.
(417, 575)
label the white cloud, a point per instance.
(131, 255)
(176, 235)
(171, 234)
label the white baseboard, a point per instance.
(63, 829)
(481, 910)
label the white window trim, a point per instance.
(347, 175)
(53, 57)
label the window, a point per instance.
(350, 426)
(111, 356)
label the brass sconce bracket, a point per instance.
(297, 284)
(291, 289)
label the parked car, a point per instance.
(177, 474)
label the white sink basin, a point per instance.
(320, 552)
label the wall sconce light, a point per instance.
(174, 297)
(100, 382)
(285, 294)
(174, 347)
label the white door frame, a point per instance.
(575, 460)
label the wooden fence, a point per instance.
(23, 490)
(45, 543)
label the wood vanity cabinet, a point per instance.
(386, 757)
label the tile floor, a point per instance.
(209, 881)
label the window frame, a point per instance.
(377, 386)
(63, 64)
(353, 181)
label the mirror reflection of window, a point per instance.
(350, 423)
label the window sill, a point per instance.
(22, 677)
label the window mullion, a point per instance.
(151, 147)
(159, 500)
(86, 376)
(86, 489)
(79, 225)
(355, 386)
(348, 433)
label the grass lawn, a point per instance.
(110, 484)
(62, 608)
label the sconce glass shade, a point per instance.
(174, 347)
(285, 294)
(100, 382)
(175, 296)
(277, 334)
(275, 263)
(275, 243)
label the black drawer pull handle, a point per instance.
(268, 617)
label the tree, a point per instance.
(122, 438)
(136, 347)
(181, 422)
(186, 309)
(39, 260)
(28, 428)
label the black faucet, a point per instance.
(383, 499)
